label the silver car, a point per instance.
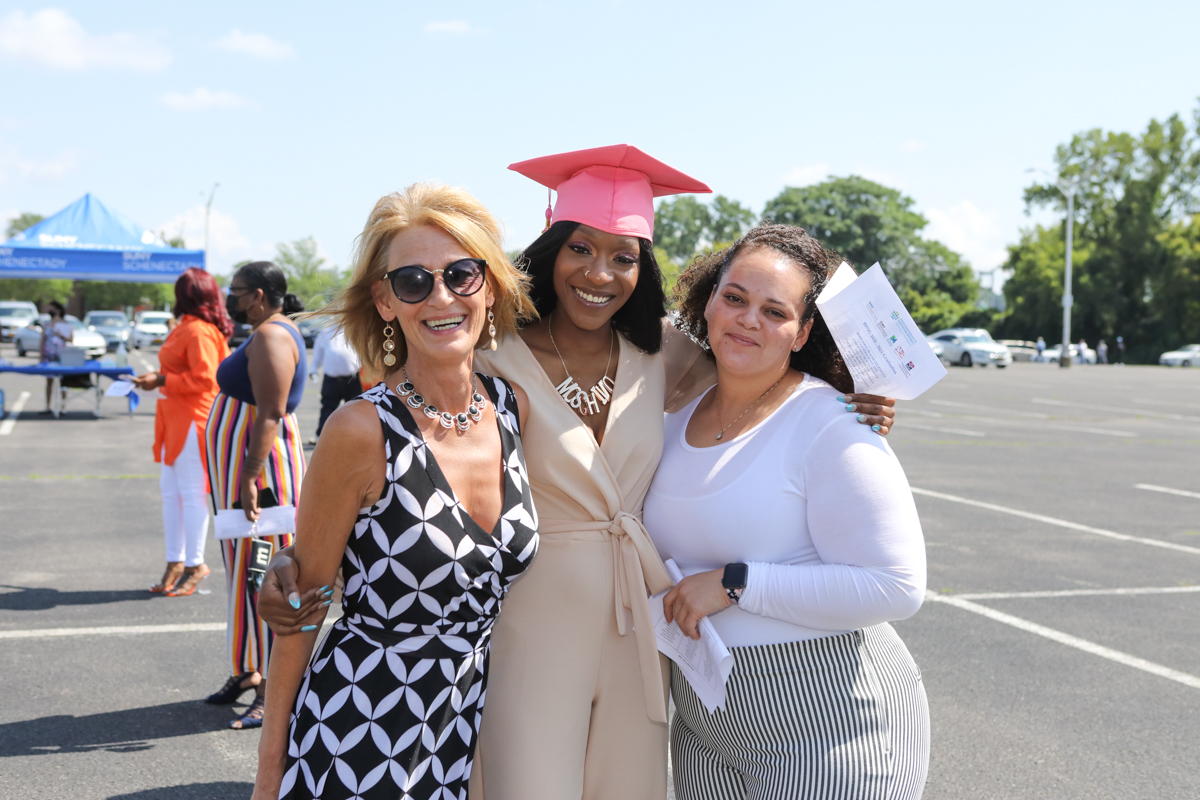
(29, 339)
(969, 346)
(149, 328)
(1186, 356)
(14, 315)
(112, 325)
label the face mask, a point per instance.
(231, 305)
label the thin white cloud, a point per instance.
(53, 38)
(258, 45)
(970, 231)
(201, 99)
(227, 245)
(913, 146)
(14, 166)
(457, 27)
(807, 175)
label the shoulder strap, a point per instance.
(500, 392)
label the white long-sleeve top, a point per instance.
(816, 504)
(333, 352)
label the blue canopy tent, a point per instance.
(87, 242)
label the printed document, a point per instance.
(886, 353)
(706, 663)
(272, 521)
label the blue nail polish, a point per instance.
(329, 593)
(841, 398)
(875, 428)
(849, 406)
(862, 417)
(308, 628)
(327, 602)
(294, 602)
(324, 588)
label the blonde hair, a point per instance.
(454, 211)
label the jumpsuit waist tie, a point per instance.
(637, 573)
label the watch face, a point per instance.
(735, 576)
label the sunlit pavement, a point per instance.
(1060, 687)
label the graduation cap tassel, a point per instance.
(549, 211)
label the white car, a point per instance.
(1051, 354)
(1186, 356)
(14, 315)
(967, 347)
(29, 339)
(149, 328)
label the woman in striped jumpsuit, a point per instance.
(255, 457)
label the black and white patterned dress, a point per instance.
(391, 704)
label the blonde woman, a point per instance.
(418, 492)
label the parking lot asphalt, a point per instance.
(1043, 680)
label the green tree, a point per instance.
(1133, 219)
(866, 222)
(862, 220)
(40, 291)
(679, 227)
(306, 274)
(729, 220)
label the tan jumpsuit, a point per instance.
(577, 692)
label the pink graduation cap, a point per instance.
(611, 189)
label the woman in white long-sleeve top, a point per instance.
(797, 534)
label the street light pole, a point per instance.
(1064, 355)
(208, 209)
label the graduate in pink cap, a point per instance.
(577, 692)
(577, 698)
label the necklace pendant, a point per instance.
(720, 434)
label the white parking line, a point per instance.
(988, 408)
(7, 425)
(1075, 593)
(1062, 523)
(1135, 411)
(1069, 640)
(958, 431)
(113, 630)
(1148, 487)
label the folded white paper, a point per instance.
(232, 524)
(118, 389)
(705, 663)
(886, 353)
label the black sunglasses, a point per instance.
(412, 284)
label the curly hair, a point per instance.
(639, 320)
(819, 357)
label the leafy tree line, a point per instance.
(863, 221)
(1136, 259)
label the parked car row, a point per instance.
(29, 339)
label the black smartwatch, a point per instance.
(734, 580)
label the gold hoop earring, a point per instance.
(388, 345)
(492, 329)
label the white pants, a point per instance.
(185, 509)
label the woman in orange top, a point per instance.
(187, 376)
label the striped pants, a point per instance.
(227, 435)
(844, 717)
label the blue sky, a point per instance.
(306, 113)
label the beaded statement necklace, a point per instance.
(462, 420)
(584, 403)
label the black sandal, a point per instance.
(231, 691)
(253, 717)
